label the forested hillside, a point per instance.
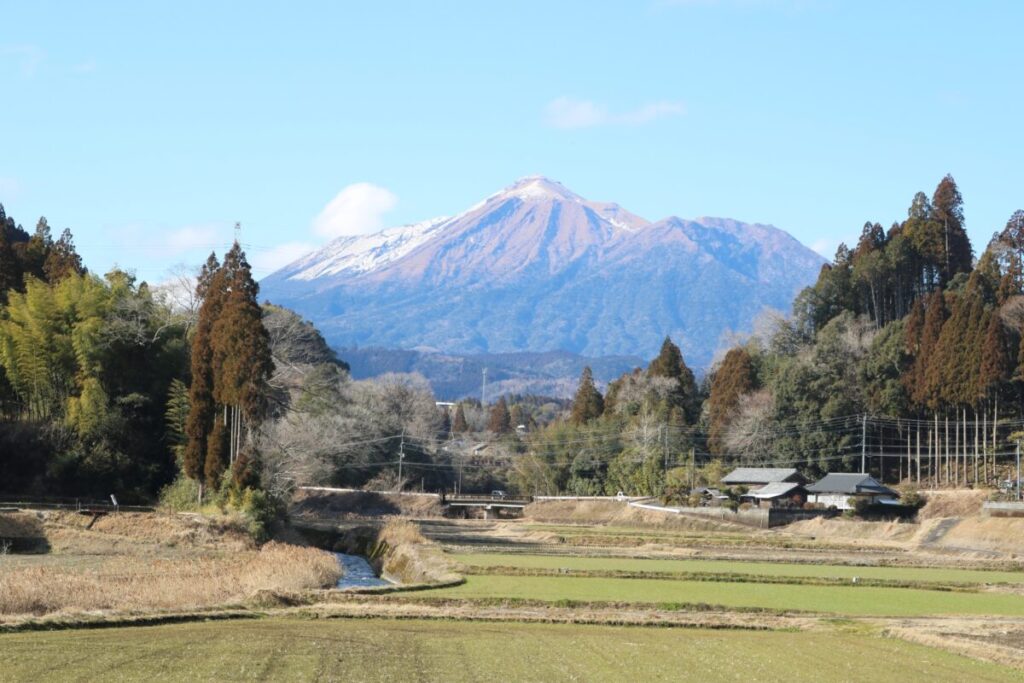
(904, 355)
(108, 385)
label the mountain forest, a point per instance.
(904, 359)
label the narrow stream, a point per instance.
(358, 572)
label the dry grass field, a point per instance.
(146, 562)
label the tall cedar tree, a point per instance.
(500, 421)
(210, 288)
(734, 377)
(588, 404)
(240, 360)
(459, 425)
(924, 390)
(948, 212)
(670, 363)
(241, 345)
(995, 356)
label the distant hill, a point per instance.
(553, 373)
(537, 268)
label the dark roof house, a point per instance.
(761, 475)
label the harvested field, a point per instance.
(386, 650)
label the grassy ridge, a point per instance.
(936, 575)
(849, 600)
(385, 650)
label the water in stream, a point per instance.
(358, 573)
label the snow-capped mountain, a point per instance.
(536, 267)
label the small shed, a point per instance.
(778, 494)
(842, 490)
(759, 476)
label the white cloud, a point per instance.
(570, 113)
(358, 209)
(268, 260)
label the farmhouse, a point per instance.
(759, 476)
(777, 494)
(843, 490)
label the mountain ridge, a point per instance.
(536, 267)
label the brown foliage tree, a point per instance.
(733, 379)
(588, 404)
(500, 421)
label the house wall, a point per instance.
(843, 501)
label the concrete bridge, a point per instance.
(492, 506)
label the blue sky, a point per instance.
(149, 128)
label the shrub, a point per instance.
(860, 506)
(730, 505)
(181, 494)
(746, 506)
(913, 499)
(262, 510)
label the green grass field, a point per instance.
(846, 600)
(964, 576)
(384, 650)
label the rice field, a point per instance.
(282, 649)
(838, 600)
(771, 569)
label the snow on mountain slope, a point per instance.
(363, 253)
(537, 267)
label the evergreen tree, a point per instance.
(734, 377)
(500, 421)
(10, 270)
(241, 345)
(62, 259)
(202, 407)
(948, 212)
(670, 364)
(38, 248)
(921, 380)
(459, 425)
(588, 403)
(205, 277)
(996, 364)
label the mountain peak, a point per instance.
(537, 187)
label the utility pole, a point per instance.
(401, 457)
(664, 448)
(483, 391)
(863, 443)
(693, 468)
(1017, 483)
